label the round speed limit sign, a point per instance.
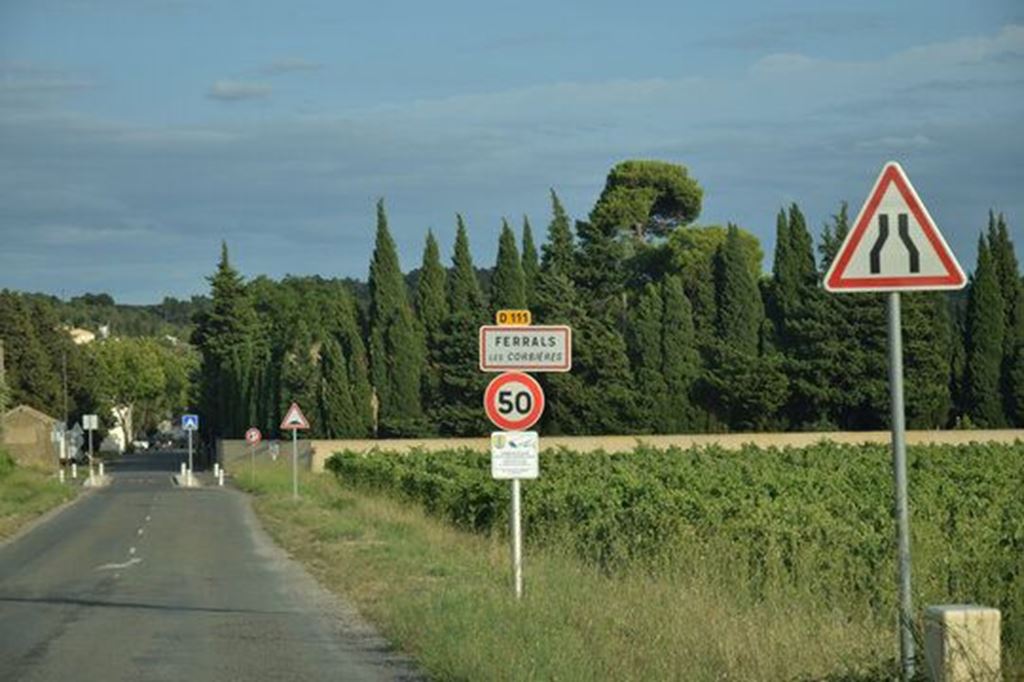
(514, 401)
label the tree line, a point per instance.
(676, 329)
(133, 381)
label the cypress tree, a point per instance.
(1008, 274)
(463, 286)
(984, 343)
(338, 415)
(508, 286)
(740, 310)
(681, 364)
(458, 413)
(431, 303)
(559, 253)
(396, 348)
(748, 386)
(226, 337)
(531, 264)
(645, 347)
(301, 377)
(432, 310)
(927, 359)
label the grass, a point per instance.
(25, 493)
(444, 596)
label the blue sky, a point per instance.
(136, 134)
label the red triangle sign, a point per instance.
(294, 420)
(894, 244)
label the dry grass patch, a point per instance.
(445, 597)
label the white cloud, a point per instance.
(234, 91)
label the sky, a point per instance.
(135, 135)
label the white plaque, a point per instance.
(515, 454)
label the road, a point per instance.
(142, 580)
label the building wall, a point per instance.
(28, 439)
(313, 453)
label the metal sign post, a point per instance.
(293, 421)
(899, 465)
(189, 473)
(913, 258)
(514, 455)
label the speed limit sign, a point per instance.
(514, 401)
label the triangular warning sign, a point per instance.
(894, 244)
(294, 420)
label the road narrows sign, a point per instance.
(294, 420)
(514, 401)
(894, 244)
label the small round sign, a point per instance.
(253, 436)
(514, 401)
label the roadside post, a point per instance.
(514, 401)
(915, 258)
(189, 422)
(90, 422)
(295, 421)
(253, 438)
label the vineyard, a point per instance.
(815, 519)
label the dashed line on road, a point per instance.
(126, 564)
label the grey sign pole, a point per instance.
(517, 539)
(189, 478)
(295, 464)
(899, 465)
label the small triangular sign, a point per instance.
(894, 244)
(294, 420)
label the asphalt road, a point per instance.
(146, 581)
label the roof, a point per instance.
(32, 412)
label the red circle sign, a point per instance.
(514, 401)
(253, 436)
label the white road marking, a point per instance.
(131, 550)
(110, 567)
(147, 518)
(140, 531)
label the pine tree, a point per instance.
(681, 362)
(508, 286)
(559, 253)
(985, 333)
(531, 264)
(396, 348)
(645, 347)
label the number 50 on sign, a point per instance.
(514, 401)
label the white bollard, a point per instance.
(220, 478)
(216, 468)
(74, 470)
(61, 474)
(183, 470)
(101, 469)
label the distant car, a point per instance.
(138, 445)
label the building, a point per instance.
(81, 336)
(28, 436)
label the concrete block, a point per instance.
(962, 643)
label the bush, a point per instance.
(815, 518)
